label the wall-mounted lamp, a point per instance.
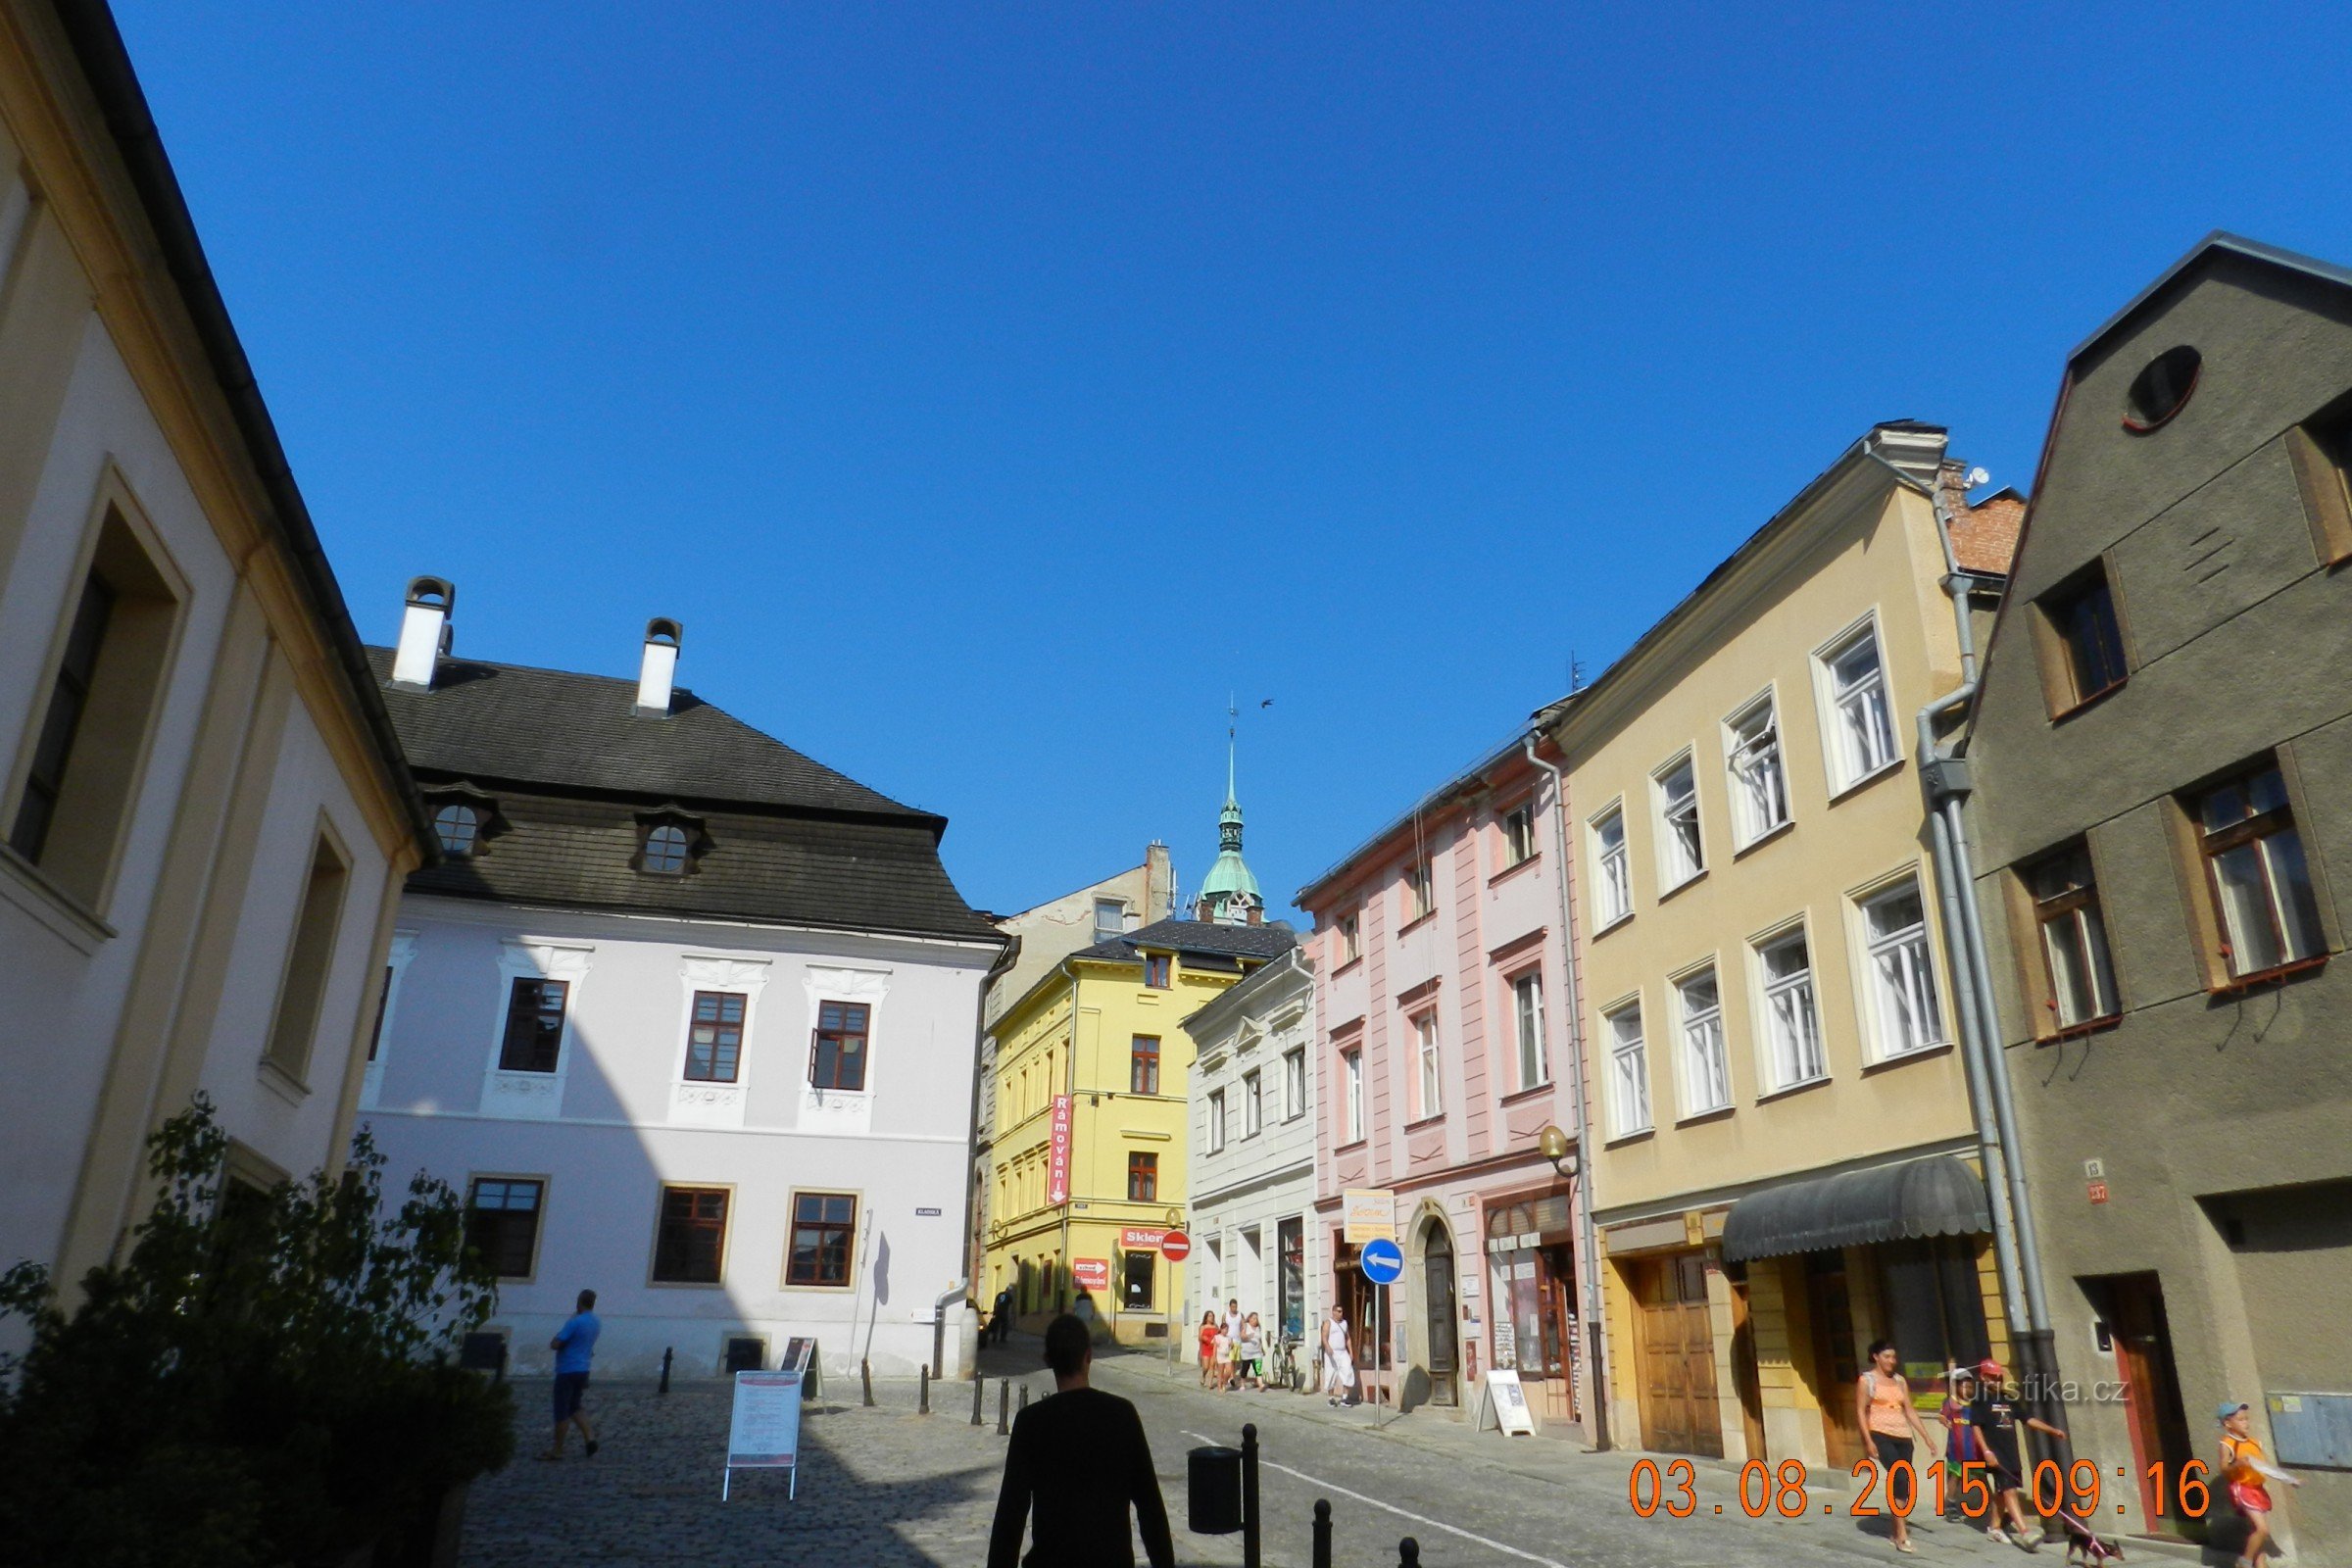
(1552, 1144)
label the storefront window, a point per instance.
(1935, 1306)
(1290, 1242)
(1136, 1280)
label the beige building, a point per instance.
(1782, 1146)
(204, 814)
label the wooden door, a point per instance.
(1679, 1414)
(1444, 1328)
(2144, 1353)
(1836, 1367)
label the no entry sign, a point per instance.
(1175, 1246)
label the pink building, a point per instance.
(1446, 1015)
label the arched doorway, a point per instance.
(1438, 1313)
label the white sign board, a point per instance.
(764, 1431)
(1504, 1404)
(1368, 1215)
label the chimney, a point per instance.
(660, 671)
(424, 632)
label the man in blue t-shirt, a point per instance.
(574, 1346)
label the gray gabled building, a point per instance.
(2162, 762)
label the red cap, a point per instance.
(1991, 1371)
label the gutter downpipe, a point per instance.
(1588, 1241)
(1945, 781)
(975, 1238)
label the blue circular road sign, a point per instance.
(1383, 1262)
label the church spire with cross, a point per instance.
(1230, 894)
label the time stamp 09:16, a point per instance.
(1762, 1490)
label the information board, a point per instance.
(1505, 1402)
(1368, 1215)
(800, 1355)
(764, 1432)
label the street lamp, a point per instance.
(1552, 1144)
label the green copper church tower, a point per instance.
(1229, 894)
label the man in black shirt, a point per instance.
(1077, 1461)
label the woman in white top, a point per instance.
(1338, 1359)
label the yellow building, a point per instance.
(1783, 1155)
(1092, 1124)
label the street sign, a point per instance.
(1175, 1246)
(1383, 1262)
(1090, 1273)
(1057, 1154)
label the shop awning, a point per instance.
(1938, 1197)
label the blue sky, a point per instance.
(992, 390)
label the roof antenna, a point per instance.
(1576, 672)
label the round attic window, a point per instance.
(2161, 387)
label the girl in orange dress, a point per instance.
(2247, 1471)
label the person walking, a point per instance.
(1959, 1448)
(1208, 1349)
(1338, 1359)
(2248, 1474)
(1884, 1410)
(999, 1316)
(574, 1346)
(1993, 1415)
(1077, 1462)
(1250, 1357)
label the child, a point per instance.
(1994, 1416)
(1960, 1386)
(1224, 1353)
(2247, 1471)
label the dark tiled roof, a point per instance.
(1196, 939)
(572, 731)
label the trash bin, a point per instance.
(1213, 1490)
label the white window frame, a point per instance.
(1613, 875)
(1913, 950)
(1294, 1083)
(1782, 1053)
(1752, 818)
(1351, 1071)
(1532, 1051)
(1420, 884)
(1253, 1107)
(1119, 908)
(1848, 763)
(1429, 1066)
(1348, 933)
(1702, 1047)
(1525, 814)
(1217, 1121)
(1629, 1070)
(1675, 867)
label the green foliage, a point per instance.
(266, 1378)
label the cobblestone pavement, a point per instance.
(888, 1487)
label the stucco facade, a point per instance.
(1445, 1013)
(1765, 992)
(203, 818)
(2187, 1104)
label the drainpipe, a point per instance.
(1588, 1241)
(1945, 781)
(939, 1328)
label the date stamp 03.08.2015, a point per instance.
(1673, 1490)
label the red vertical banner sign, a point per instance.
(1057, 1153)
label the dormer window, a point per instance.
(666, 849)
(459, 827)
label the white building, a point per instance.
(1254, 1149)
(689, 1018)
(204, 814)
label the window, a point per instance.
(2254, 860)
(1616, 884)
(310, 960)
(1790, 1019)
(2082, 617)
(714, 1039)
(1352, 939)
(502, 1224)
(2161, 387)
(1902, 983)
(1142, 1065)
(1429, 1069)
(1137, 1274)
(534, 1038)
(1526, 1013)
(86, 735)
(1759, 785)
(1352, 1076)
(1681, 855)
(1217, 1120)
(1629, 1069)
(1143, 1173)
(459, 827)
(825, 1239)
(1110, 918)
(837, 1058)
(666, 849)
(690, 1248)
(1420, 891)
(1293, 1083)
(2321, 452)
(1519, 834)
(2074, 938)
(1156, 970)
(1862, 733)
(1254, 1111)
(1706, 1072)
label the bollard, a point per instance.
(1408, 1553)
(666, 1353)
(866, 1376)
(1003, 1407)
(1250, 1534)
(979, 1391)
(922, 1399)
(1024, 1396)
(1322, 1545)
